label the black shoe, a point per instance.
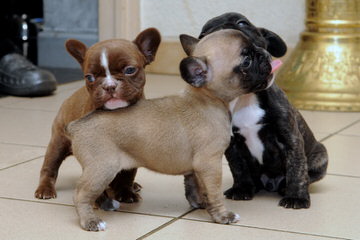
(20, 77)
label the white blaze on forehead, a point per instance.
(105, 63)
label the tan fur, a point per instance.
(179, 135)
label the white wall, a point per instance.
(174, 17)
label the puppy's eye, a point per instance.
(242, 23)
(246, 63)
(130, 70)
(90, 77)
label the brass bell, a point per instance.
(323, 71)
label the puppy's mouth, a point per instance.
(115, 103)
(275, 65)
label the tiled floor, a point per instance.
(164, 213)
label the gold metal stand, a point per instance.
(323, 71)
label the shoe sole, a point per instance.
(42, 89)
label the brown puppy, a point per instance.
(184, 134)
(115, 78)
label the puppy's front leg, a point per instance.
(238, 157)
(297, 179)
(58, 149)
(92, 183)
(208, 172)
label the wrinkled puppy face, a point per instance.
(114, 73)
(261, 37)
(226, 64)
(114, 69)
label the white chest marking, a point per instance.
(104, 62)
(246, 114)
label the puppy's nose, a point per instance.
(109, 87)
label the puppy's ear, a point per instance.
(188, 43)
(276, 46)
(194, 71)
(148, 42)
(76, 49)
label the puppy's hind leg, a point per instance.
(318, 162)
(239, 157)
(192, 191)
(125, 188)
(208, 172)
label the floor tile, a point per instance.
(193, 230)
(71, 85)
(321, 136)
(329, 122)
(24, 187)
(28, 102)
(344, 155)
(25, 127)
(352, 131)
(162, 194)
(11, 154)
(27, 220)
(333, 212)
(8, 101)
(48, 103)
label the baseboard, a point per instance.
(52, 52)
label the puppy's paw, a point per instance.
(226, 217)
(295, 203)
(194, 198)
(136, 187)
(237, 193)
(196, 202)
(128, 196)
(94, 225)
(45, 192)
(109, 205)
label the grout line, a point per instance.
(349, 135)
(23, 145)
(342, 175)
(270, 229)
(144, 214)
(181, 217)
(164, 225)
(37, 201)
(29, 109)
(340, 130)
(329, 135)
(46, 201)
(17, 164)
(177, 218)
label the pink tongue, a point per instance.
(275, 65)
(115, 103)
